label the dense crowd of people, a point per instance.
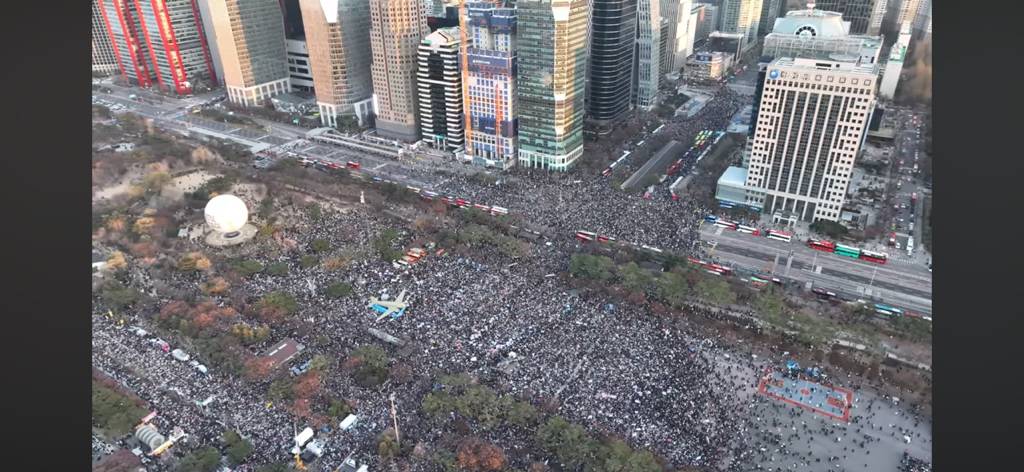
(606, 365)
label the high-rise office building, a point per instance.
(812, 121)
(680, 32)
(894, 66)
(647, 69)
(552, 48)
(121, 21)
(770, 10)
(878, 12)
(741, 17)
(251, 45)
(300, 74)
(440, 90)
(860, 13)
(707, 21)
(613, 35)
(177, 46)
(488, 32)
(104, 61)
(908, 12)
(338, 41)
(396, 28)
(665, 53)
(442, 14)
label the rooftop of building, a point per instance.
(825, 64)
(733, 176)
(819, 23)
(442, 37)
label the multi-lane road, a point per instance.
(902, 284)
(898, 283)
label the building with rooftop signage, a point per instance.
(812, 120)
(488, 41)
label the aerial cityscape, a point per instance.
(511, 235)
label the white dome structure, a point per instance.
(813, 23)
(226, 214)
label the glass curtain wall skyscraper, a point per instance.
(178, 53)
(647, 71)
(103, 59)
(251, 46)
(743, 17)
(552, 48)
(860, 13)
(613, 35)
(337, 36)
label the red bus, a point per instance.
(585, 236)
(725, 224)
(821, 245)
(872, 256)
(719, 269)
(748, 230)
(352, 165)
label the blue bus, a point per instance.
(887, 310)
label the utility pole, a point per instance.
(394, 419)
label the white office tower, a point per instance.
(878, 11)
(648, 40)
(893, 68)
(742, 17)
(811, 123)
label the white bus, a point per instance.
(748, 230)
(780, 236)
(910, 246)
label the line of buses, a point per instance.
(818, 244)
(429, 196)
(741, 228)
(848, 251)
(757, 279)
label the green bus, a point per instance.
(847, 251)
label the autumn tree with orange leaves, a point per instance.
(477, 455)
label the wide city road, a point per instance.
(898, 283)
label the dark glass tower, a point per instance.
(612, 36)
